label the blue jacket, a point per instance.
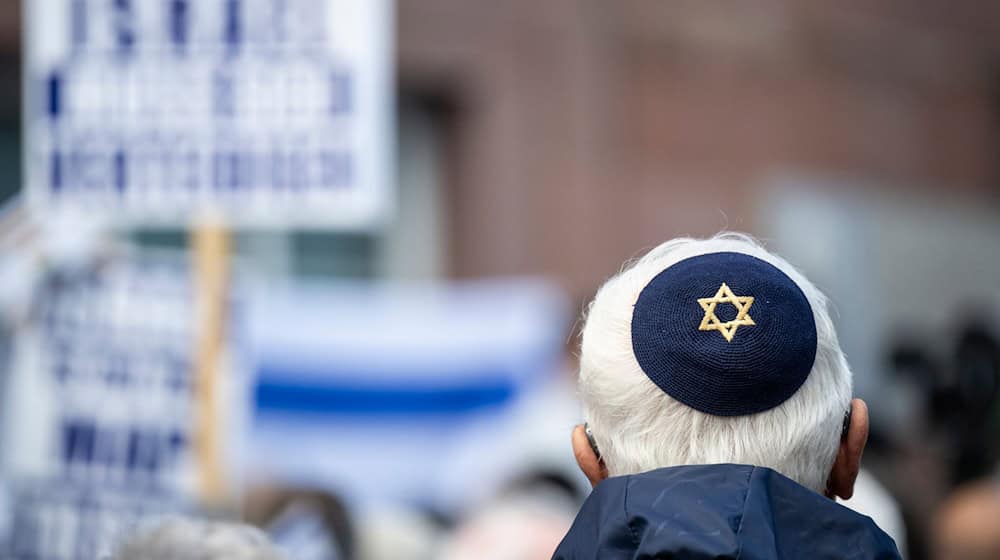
(721, 512)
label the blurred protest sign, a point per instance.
(398, 394)
(255, 112)
(100, 412)
(211, 113)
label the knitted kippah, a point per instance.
(724, 333)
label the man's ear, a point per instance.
(852, 445)
(591, 465)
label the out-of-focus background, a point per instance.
(318, 264)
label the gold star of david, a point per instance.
(728, 329)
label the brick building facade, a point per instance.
(583, 131)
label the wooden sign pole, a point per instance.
(210, 248)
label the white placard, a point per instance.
(254, 112)
(99, 413)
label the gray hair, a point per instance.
(177, 538)
(638, 427)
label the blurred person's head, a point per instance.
(305, 523)
(398, 532)
(524, 521)
(694, 355)
(964, 527)
(190, 539)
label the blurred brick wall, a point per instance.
(587, 130)
(583, 131)
(10, 61)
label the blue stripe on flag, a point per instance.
(281, 394)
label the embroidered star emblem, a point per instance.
(728, 329)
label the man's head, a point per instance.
(716, 351)
(964, 526)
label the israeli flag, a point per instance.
(395, 392)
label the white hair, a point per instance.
(176, 538)
(638, 427)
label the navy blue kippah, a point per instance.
(724, 333)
